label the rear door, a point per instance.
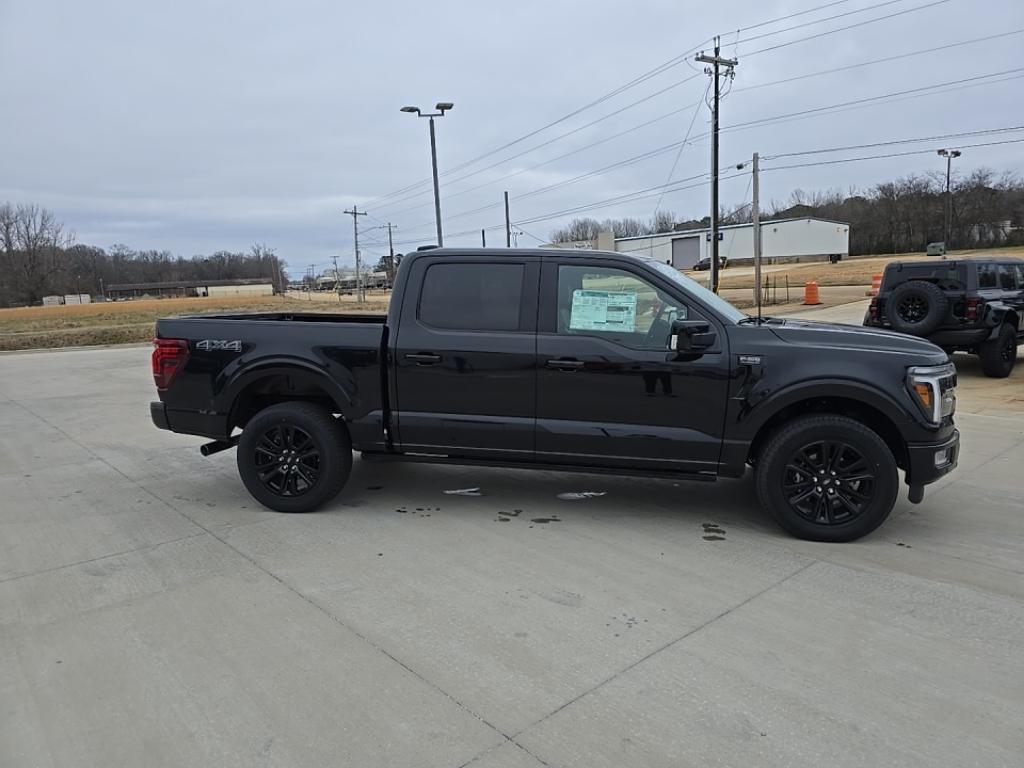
(610, 391)
(465, 357)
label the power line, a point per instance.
(679, 154)
(551, 141)
(768, 120)
(664, 66)
(764, 121)
(792, 15)
(870, 62)
(675, 112)
(820, 21)
(848, 27)
(887, 155)
(896, 141)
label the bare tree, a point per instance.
(663, 221)
(578, 229)
(39, 240)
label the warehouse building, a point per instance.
(180, 288)
(782, 240)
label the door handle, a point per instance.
(423, 358)
(565, 365)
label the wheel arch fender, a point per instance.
(873, 406)
(285, 376)
(1003, 314)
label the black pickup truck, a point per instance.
(574, 360)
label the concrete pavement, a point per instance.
(152, 614)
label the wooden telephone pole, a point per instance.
(717, 64)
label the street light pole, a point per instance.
(949, 155)
(441, 107)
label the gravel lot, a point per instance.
(151, 614)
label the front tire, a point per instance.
(999, 355)
(294, 457)
(827, 478)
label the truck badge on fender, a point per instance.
(219, 345)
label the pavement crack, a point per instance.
(143, 548)
(271, 574)
(666, 646)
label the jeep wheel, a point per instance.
(827, 478)
(999, 355)
(294, 457)
(916, 308)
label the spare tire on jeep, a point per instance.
(916, 308)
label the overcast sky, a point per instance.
(199, 126)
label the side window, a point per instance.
(616, 305)
(987, 276)
(472, 297)
(1020, 276)
(1007, 278)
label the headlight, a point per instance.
(933, 387)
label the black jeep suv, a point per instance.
(969, 305)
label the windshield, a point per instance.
(694, 288)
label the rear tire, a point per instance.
(916, 308)
(999, 355)
(294, 457)
(827, 478)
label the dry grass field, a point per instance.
(133, 321)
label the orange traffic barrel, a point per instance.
(876, 285)
(811, 293)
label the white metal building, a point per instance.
(781, 240)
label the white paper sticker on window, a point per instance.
(603, 311)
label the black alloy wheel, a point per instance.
(287, 460)
(828, 482)
(912, 309)
(826, 477)
(294, 456)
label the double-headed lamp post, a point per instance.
(441, 107)
(949, 154)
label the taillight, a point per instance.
(873, 308)
(973, 309)
(169, 356)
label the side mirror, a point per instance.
(691, 336)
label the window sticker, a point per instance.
(603, 311)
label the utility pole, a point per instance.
(949, 154)
(483, 238)
(337, 277)
(756, 221)
(508, 225)
(355, 214)
(729, 65)
(391, 256)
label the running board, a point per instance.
(431, 458)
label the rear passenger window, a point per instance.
(472, 297)
(987, 276)
(1007, 280)
(1020, 276)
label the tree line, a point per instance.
(898, 216)
(38, 257)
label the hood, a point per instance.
(835, 336)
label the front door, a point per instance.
(465, 357)
(610, 391)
